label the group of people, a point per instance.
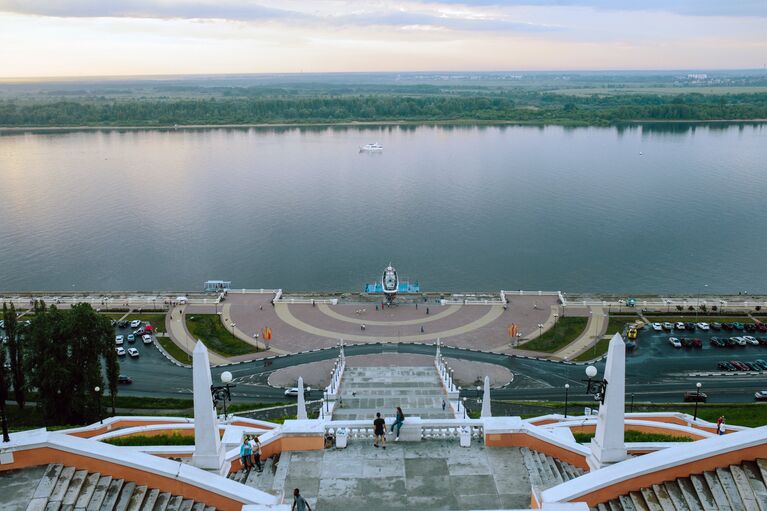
(379, 428)
(250, 453)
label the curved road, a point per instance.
(652, 374)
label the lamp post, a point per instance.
(97, 390)
(567, 390)
(697, 398)
(597, 388)
(540, 329)
(233, 324)
(556, 317)
(464, 407)
(223, 392)
(632, 403)
(479, 394)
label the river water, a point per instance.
(645, 209)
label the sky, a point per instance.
(46, 38)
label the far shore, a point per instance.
(446, 122)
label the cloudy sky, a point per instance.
(135, 37)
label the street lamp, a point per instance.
(567, 390)
(632, 403)
(597, 388)
(464, 407)
(222, 392)
(556, 317)
(540, 329)
(233, 325)
(479, 393)
(97, 390)
(697, 398)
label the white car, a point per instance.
(679, 326)
(703, 326)
(657, 327)
(135, 323)
(146, 338)
(293, 391)
(120, 352)
(751, 340)
(133, 352)
(675, 342)
(119, 339)
(739, 340)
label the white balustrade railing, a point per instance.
(430, 429)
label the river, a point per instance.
(647, 209)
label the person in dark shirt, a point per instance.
(379, 430)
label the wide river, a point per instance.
(647, 209)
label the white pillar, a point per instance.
(301, 415)
(486, 399)
(208, 451)
(608, 446)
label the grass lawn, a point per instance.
(215, 336)
(741, 414)
(617, 323)
(563, 333)
(631, 435)
(592, 353)
(172, 439)
(174, 351)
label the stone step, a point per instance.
(186, 505)
(161, 503)
(137, 498)
(281, 473)
(87, 491)
(650, 499)
(663, 499)
(124, 499)
(675, 494)
(48, 482)
(705, 497)
(638, 501)
(65, 477)
(198, 506)
(754, 475)
(728, 484)
(150, 500)
(688, 491)
(112, 494)
(744, 487)
(174, 504)
(715, 486)
(100, 494)
(627, 503)
(74, 489)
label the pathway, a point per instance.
(595, 329)
(179, 334)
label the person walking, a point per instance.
(244, 456)
(255, 445)
(722, 426)
(299, 503)
(379, 430)
(399, 419)
(719, 424)
(443, 405)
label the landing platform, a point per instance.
(404, 287)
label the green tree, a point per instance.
(3, 391)
(65, 351)
(15, 354)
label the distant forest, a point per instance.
(505, 106)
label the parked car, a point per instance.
(131, 338)
(740, 341)
(125, 380)
(729, 342)
(146, 338)
(761, 395)
(120, 352)
(679, 326)
(738, 326)
(703, 326)
(716, 326)
(140, 331)
(668, 326)
(690, 327)
(697, 343)
(751, 340)
(761, 362)
(674, 342)
(763, 341)
(632, 333)
(686, 343)
(133, 352)
(740, 366)
(691, 397)
(752, 366)
(293, 391)
(135, 323)
(727, 326)
(749, 327)
(717, 342)
(119, 339)
(657, 327)
(122, 324)
(725, 366)
(761, 327)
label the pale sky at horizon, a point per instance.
(44, 38)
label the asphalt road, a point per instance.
(656, 372)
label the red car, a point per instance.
(740, 366)
(761, 327)
(697, 343)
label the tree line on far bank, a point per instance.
(522, 107)
(56, 360)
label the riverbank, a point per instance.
(352, 124)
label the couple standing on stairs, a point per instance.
(250, 453)
(379, 427)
